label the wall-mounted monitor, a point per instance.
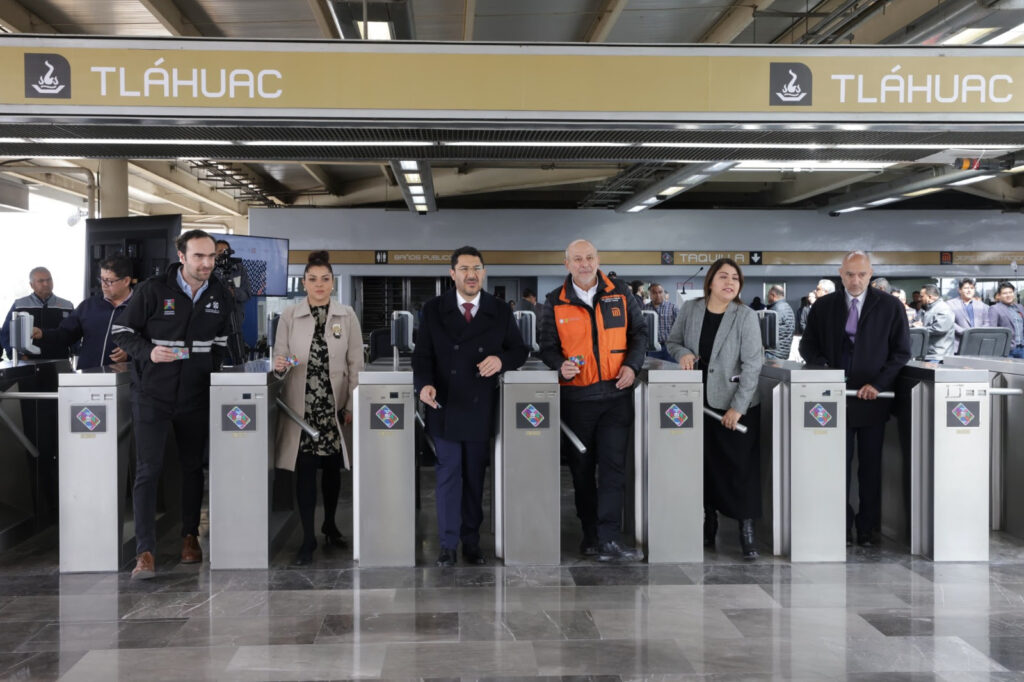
(265, 260)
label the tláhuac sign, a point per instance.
(531, 81)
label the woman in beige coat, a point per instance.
(319, 350)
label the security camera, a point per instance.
(833, 214)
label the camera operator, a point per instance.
(232, 273)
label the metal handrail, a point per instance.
(1006, 391)
(310, 431)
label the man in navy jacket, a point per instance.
(176, 331)
(467, 337)
(94, 318)
(864, 332)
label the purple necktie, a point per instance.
(851, 320)
(468, 307)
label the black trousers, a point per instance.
(867, 441)
(306, 466)
(461, 471)
(192, 433)
(599, 475)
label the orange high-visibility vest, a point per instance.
(593, 338)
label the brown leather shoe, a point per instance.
(145, 567)
(191, 552)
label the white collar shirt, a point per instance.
(475, 301)
(585, 295)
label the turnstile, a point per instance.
(669, 463)
(94, 422)
(935, 476)
(803, 455)
(527, 481)
(384, 469)
(245, 529)
(1006, 381)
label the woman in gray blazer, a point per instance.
(720, 336)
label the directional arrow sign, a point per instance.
(755, 257)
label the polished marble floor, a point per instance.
(881, 616)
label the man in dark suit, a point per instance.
(466, 338)
(864, 332)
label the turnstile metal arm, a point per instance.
(718, 415)
(19, 434)
(426, 436)
(851, 393)
(1006, 391)
(310, 431)
(574, 439)
(28, 395)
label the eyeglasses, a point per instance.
(463, 269)
(109, 282)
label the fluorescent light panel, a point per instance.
(1012, 37)
(968, 36)
(415, 189)
(851, 209)
(375, 30)
(812, 165)
(971, 181)
(922, 192)
(883, 202)
(413, 178)
(333, 143)
(409, 165)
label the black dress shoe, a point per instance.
(333, 538)
(612, 551)
(303, 558)
(747, 543)
(589, 545)
(446, 557)
(471, 554)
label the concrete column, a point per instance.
(113, 183)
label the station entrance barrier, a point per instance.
(935, 462)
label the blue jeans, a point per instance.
(1017, 352)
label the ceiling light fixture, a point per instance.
(418, 195)
(971, 181)
(685, 178)
(968, 36)
(1012, 37)
(935, 178)
(336, 143)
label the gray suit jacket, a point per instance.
(737, 350)
(938, 320)
(960, 321)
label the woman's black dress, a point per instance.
(732, 460)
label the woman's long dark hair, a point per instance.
(713, 270)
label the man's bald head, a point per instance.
(856, 271)
(582, 261)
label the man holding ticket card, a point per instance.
(467, 338)
(175, 329)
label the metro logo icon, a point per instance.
(47, 76)
(790, 84)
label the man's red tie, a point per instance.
(468, 307)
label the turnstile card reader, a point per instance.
(803, 417)
(94, 420)
(384, 470)
(243, 422)
(527, 481)
(669, 463)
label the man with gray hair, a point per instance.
(863, 332)
(786, 323)
(937, 318)
(825, 286)
(47, 311)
